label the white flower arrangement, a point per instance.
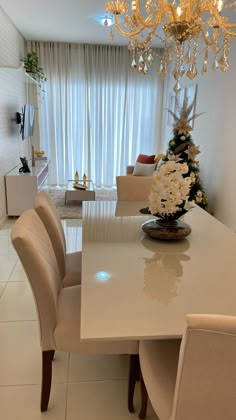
(170, 190)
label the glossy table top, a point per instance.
(137, 287)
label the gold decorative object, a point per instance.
(39, 153)
(76, 177)
(117, 7)
(181, 25)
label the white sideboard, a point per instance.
(21, 188)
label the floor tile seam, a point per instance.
(62, 383)
(3, 289)
(68, 366)
(15, 281)
(21, 385)
(67, 386)
(97, 380)
(12, 270)
(7, 253)
(30, 384)
(19, 320)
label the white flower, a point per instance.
(170, 190)
(182, 138)
(171, 156)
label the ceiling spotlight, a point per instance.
(105, 20)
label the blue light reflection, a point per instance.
(105, 20)
(102, 276)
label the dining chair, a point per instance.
(58, 308)
(195, 380)
(69, 263)
(133, 188)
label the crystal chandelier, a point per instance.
(188, 28)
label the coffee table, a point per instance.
(80, 195)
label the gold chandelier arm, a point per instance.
(163, 12)
(230, 34)
(134, 36)
(142, 44)
(130, 34)
(147, 22)
(220, 21)
(207, 41)
(230, 25)
(166, 6)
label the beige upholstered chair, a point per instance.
(199, 382)
(133, 188)
(69, 264)
(58, 308)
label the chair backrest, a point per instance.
(133, 188)
(206, 378)
(35, 251)
(47, 211)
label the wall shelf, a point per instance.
(20, 68)
(31, 79)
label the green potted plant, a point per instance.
(32, 66)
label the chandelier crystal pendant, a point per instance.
(187, 28)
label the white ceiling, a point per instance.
(60, 20)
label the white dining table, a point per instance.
(135, 287)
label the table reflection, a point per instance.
(163, 269)
(108, 222)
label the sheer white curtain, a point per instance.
(97, 114)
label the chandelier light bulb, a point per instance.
(220, 5)
(182, 27)
(133, 5)
(179, 11)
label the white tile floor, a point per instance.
(84, 387)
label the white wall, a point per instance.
(12, 98)
(215, 133)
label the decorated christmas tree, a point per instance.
(182, 149)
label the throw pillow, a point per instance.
(143, 169)
(145, 158)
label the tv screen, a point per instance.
(28, 121)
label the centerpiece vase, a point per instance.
(167, 229)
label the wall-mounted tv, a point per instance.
(27, 129)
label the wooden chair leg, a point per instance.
(144, 398)
(47, 357)
(133, 377)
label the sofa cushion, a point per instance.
(142, 169)
(146, 159)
